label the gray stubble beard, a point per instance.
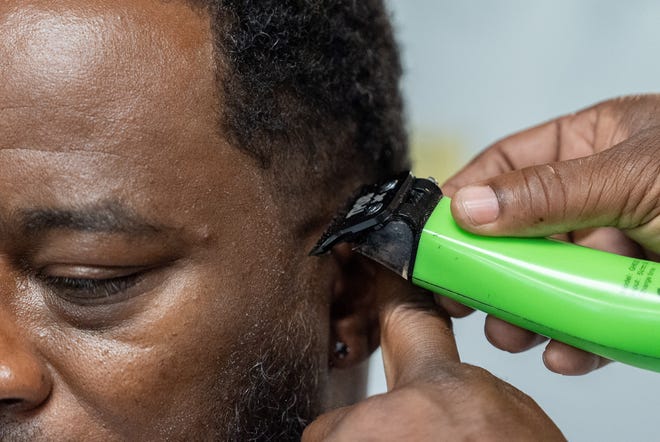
(283, 389)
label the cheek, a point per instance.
(160, 369)
(180, 363)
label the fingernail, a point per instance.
(479, 204)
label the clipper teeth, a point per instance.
(369, 209)
(320, 248)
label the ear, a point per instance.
(354, 330)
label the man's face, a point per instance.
(147, 286)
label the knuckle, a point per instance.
(475, 372)
(373, 409)
(538, 194)
(635, 168)
(384, 415)
(541, 181)
(309, 433)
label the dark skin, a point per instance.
(431, 395)
(593, 174)
(83, 128)
(145, 269)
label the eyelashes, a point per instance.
(87, 291)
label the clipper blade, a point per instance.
(370, 209)
(384, 221)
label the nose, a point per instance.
(25, 382)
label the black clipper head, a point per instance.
(384, 221)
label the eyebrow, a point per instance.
(107, 217)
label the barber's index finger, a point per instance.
(416, 337)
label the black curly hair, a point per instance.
(310, 89)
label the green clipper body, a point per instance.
(601, 302)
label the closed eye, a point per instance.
(88, 291)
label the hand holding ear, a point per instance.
(431, 394)
(592, 177)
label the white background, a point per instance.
(479, 70)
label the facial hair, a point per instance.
(274, 392)
(282, 395)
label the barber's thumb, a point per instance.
(596, 191)
(417, 342)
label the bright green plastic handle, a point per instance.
(600, 302)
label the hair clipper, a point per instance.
(600, 302)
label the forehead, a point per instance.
(72, 64)
(67, 43)
(111, 99)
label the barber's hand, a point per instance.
(593, 177)
(431, 394)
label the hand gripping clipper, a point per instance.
(600, 302)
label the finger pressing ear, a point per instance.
(416, 337)
(417, 345)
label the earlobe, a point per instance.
(354, 332)
(350, 344)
